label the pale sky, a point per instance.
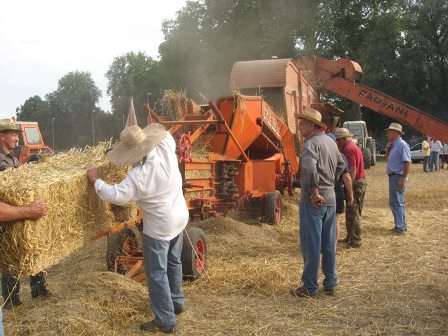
(41, 41)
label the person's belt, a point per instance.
(392, 174)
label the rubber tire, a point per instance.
(115, 248)
(273, 208)
(190, 270)
(371, 144)
(367, 156)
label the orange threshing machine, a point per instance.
(252, 157)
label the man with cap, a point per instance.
(155, 183)
(355, 161)
(398, 167)
(9, 138)
(321, 165)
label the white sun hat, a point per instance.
(135, 143)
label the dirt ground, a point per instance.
(392, 285)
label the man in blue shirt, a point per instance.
(398, 167)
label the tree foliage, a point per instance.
(133, 75)
(402, 46)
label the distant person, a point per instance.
(436, 147)
(9, 138)
(444, 157)
(398, 167)
(321, 165)
(355, 161)
(426, 151)
(155, 183)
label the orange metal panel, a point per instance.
(242, 122)
(391, 107)
(256, 177)
(199, 165)
(264, 176)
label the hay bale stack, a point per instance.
(75, 213)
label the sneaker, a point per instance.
(179, 309)
(151, 326)
(10, 304)
(398, 232)
(302, 293)
(345, 240)
(330, 291)
(354, 244)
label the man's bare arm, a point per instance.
(34, 210)
(348, 188)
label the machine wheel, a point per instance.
(194, 253)
(122, 243)
(371, 144)
(367, 156)
(273, 207)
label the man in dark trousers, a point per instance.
(9, 138)
(355, 161)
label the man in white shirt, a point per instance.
(155, 183)
(444, 157)
(436, 147)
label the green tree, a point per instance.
(133, 74)
(36, 109)
(424, 56)
(400, 44)
(73, 105)
(207, 37)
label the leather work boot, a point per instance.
(179, 309)
(302, 293)
(151, 326)
(12, 303)
(354, 244)
(40, 291)
(331, 291)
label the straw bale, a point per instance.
(75, 213)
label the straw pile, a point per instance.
(393, 285)
(177, 104)
(75, 213)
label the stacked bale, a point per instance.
(75, 213)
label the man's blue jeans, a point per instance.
(1, 324)
(434, 161)
(396, 203)
(163, 269)
(318, 235)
